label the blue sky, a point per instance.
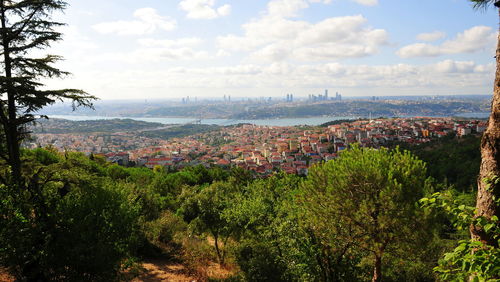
(124, 49)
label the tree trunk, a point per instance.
(377, 269)
(216, 243)
(10, 126)
(490, 160)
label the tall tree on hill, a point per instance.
(365, 202)
(488, 185)
(25, 27)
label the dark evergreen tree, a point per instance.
(28, 211)
(26, 26)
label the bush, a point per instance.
(163, 229)
(69, 224)
(117, 172)
(258, 263)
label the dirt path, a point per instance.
(161, 270)
(4, 277)
(164, 270)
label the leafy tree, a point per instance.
(487, 204)
(204, 211)
(453, 161)
(241, 176)
(367, 199)
(259, 262)
(275, 242)
(141, 176)
(78, 225)
(117, 172)
(471, 260)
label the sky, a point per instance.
(164, 49)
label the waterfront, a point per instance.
(224, 122)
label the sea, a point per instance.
(223, 122)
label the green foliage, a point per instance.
(327, 227)
(240, 176)
(117, 172)
(452, 160)
(258, 262)
(461, 215)
(141, 176)
(366, 202)
(78, 227)
(471, 258)
(58, 126)
(334, 122)
(163, 229)
(45, 156)
(203, 210)
(276, 238)
(45, 203)
(93, 247)
(158, 169)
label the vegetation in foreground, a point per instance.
(355, 218)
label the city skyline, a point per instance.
(211, 48)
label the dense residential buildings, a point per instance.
(263, 149)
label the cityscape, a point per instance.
(262, 149)
(272, 140)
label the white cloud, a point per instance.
(153, 55)
(367, 2)
(449, 66)
(285, 8)
(73, 47)
(74, 39)
(362, 2)
(204, 9)
(472, 40)
(273, 53)
(275, 36)
(446, 76)
(291, 8)
(331, 51)
(147, 21)
(224, 10)
(348, 30)
(180, 54)
(321, 1)
(167, 43)
(431, 36)
(276, 39)
(419, 50)
(223, 53)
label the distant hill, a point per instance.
(364, 108)
(59, 126)
(276, 108)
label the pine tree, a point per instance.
(26, 26)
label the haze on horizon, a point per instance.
(124, 49)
